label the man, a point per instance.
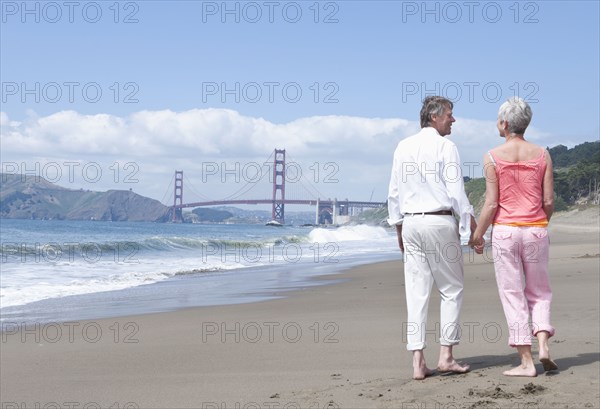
(426, 192)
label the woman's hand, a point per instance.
(477, 243)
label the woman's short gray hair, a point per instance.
(517, 113)
(433, 105)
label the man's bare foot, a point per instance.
(453, 367)
(521, 370)
(420, 373)
(420, 370)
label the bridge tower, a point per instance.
(278, 186)
(178, 197)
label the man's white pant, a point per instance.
(432, 253)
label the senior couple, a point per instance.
(428, 205)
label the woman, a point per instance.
(519, 201)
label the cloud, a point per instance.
(352, 154)
(212, 132)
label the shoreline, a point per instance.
(180, 293)
(176, 270)
(138, 300)
(567, 222)
(336, 345)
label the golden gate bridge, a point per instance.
(326, 209)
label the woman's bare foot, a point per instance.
(528, 370)
(547, 362)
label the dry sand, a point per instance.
(337, 346)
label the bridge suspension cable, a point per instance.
(298, 186)
(168, 192)
(308, 186)
(249, 185)
(191, 186)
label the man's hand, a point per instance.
(477, 243)
(399, 233)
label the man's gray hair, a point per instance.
(517, 113)
(433, 105)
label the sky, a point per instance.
(120, 94)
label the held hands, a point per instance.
(477, 243)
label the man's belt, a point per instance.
(438, 213)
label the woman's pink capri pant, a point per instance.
(521, 265)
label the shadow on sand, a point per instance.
(492, 361)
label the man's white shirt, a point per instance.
(427, 177)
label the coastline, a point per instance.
(227, 287)
(337, 345)
(167, 267)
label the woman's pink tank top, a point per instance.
(520, 192)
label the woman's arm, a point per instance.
(548, 188)
(489, 207)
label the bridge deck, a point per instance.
(349, 203)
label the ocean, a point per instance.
(64, 270)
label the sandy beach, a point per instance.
(331, 346)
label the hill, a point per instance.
(209, 215)
(576, 177)
(576, 174)
(32, 197)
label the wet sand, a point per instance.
(338, 346)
